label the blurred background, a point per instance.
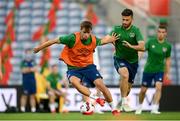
(24, 22)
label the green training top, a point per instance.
(131, 35)
(69, 40)
(157, 53)
(53, 79)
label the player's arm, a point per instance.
(29, 69)
(46, 44)
(109, 38)
(26, 70)
(34, 69)
(167, 67)
(139, 47)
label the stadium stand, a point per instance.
(32, 14)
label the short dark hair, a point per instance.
(127, 12)
(86, 24)
(162, 27)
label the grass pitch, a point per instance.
(79, 116)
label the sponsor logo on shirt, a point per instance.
(84, 52)
(164, 49)
(132, 35)
(153, 46)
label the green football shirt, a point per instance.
(157, 53)
(53, 79)
(131, 35)
(69, 40)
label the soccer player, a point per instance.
(78, 55)
(54, 91)
(127, 47)
(156, 67)
(28, 68)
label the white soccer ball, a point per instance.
(87, 108)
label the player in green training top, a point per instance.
(126, 54)
(157, 67)
(55, 81)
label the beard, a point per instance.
(126, 25)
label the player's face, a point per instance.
(161, 33)
(55, 69)
(126, 21)
(85, 33)
(28, 55)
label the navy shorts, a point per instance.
(87, 75)
(29, 86)
(149, 79)
(132, 67)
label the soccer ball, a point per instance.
(87, 108)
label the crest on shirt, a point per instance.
(132, 34)
(153, 46)
(164, 49)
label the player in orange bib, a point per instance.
(78, 55)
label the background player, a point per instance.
(157, 66)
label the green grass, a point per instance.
(78, 116)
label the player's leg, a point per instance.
(141, 99)
(121, 68)
(146, 82)
(129, 88)
(101, 86)
(52, 98)
(32, 93)
(124, 74)
(108, 97)
(132, 70)
(142, 94)
(76, 77)
(158, 77)
(124, 88)
(156, 98)
(94, 78)
(90, 84)
(33, 102)
(76, 82)
(23, 103)
(23, 99)
(97, 106)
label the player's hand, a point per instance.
(127, 44)
(36, 50)
(34, 69)
(115, 36)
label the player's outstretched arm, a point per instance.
(46, 44)
(109, 39)
(139, 47)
